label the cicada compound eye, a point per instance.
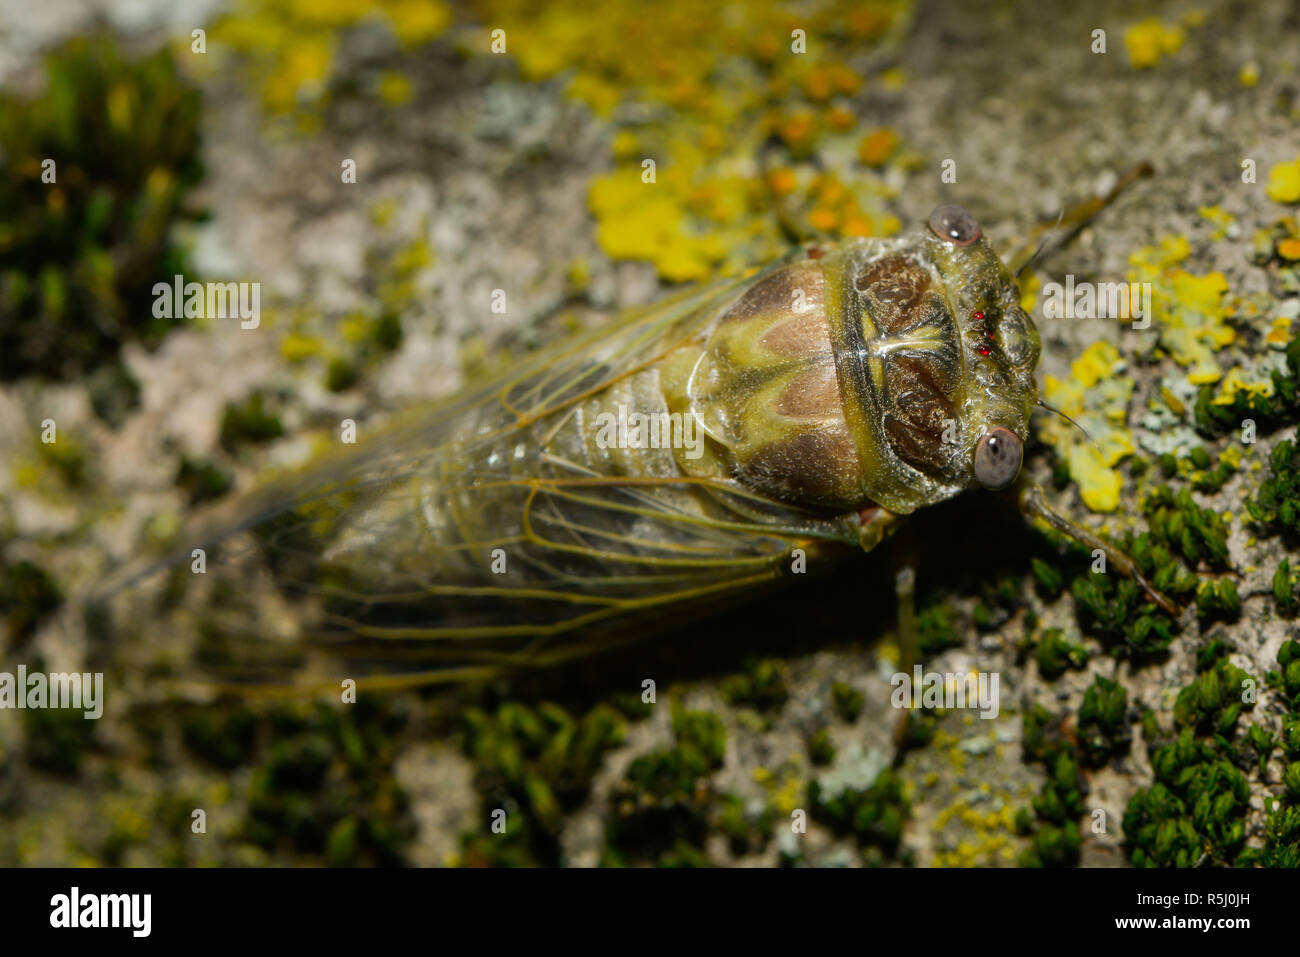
(997, 458)
(954, 224)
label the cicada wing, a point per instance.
(480, 533)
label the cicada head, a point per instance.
(935, 360)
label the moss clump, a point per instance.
(1276, 506)
(1197, 534)
(761, 687)
(936, 631)
(341, 374)
(222, 735)
(202, 481)
(1215, 699)
(537, 763)
(325, 787)
(1103, 722)
(114, 392)
(1206, 479)
(1118, 613)
(847, 701)
(1281, 844)
(79, 255)
(747, 828)
(1056, 656)
(821, 751)
(874, 815)
(57, 738)
(1047, 578)
(249, 421)
(1053, 823)
(1218, 601)
(998, 601)
(1266, 411)
(664, 805)
(1284, 589)
(27, 596)
(1196, 810)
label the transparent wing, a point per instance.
(482, 533)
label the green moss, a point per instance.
(1055, 655)
(249, 421)
(1047, 578)
(1284, 589)
(114, 392)
(745, 830)
(936, 631)
(27, 596)
(1281, 843)
(324, 788)
(1119, 614)
(1197, 534)
(1213, 702)
(1103, 722)
(820, 749)
(761, 687)
(998, 601)
(202, 480)
(1195, 812)
(1218, 601)
(664, 803)
(57, 738)
(538, 761)
(1267, 412)
(79, 256)
(1276, 506)
(1053, 823)
(873, 815)
(846, 700)
(223, 734)
(341, 374)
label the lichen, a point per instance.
(1096, 396)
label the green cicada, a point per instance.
(706, 445)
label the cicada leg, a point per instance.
(1032, 503)
(1075, 218)
(909, 640)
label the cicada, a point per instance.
(710, 445)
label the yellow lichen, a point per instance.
(1190, 311)
(710, 85)
(1096, 395)
(290, 44)
(1280, 332)
(1150, 40)
(1284, 182)
(1220, 217)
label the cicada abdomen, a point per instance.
(681, 453)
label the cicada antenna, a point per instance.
(1056, 411)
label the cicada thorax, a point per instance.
(835, 381)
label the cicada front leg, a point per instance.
(1034, 505)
